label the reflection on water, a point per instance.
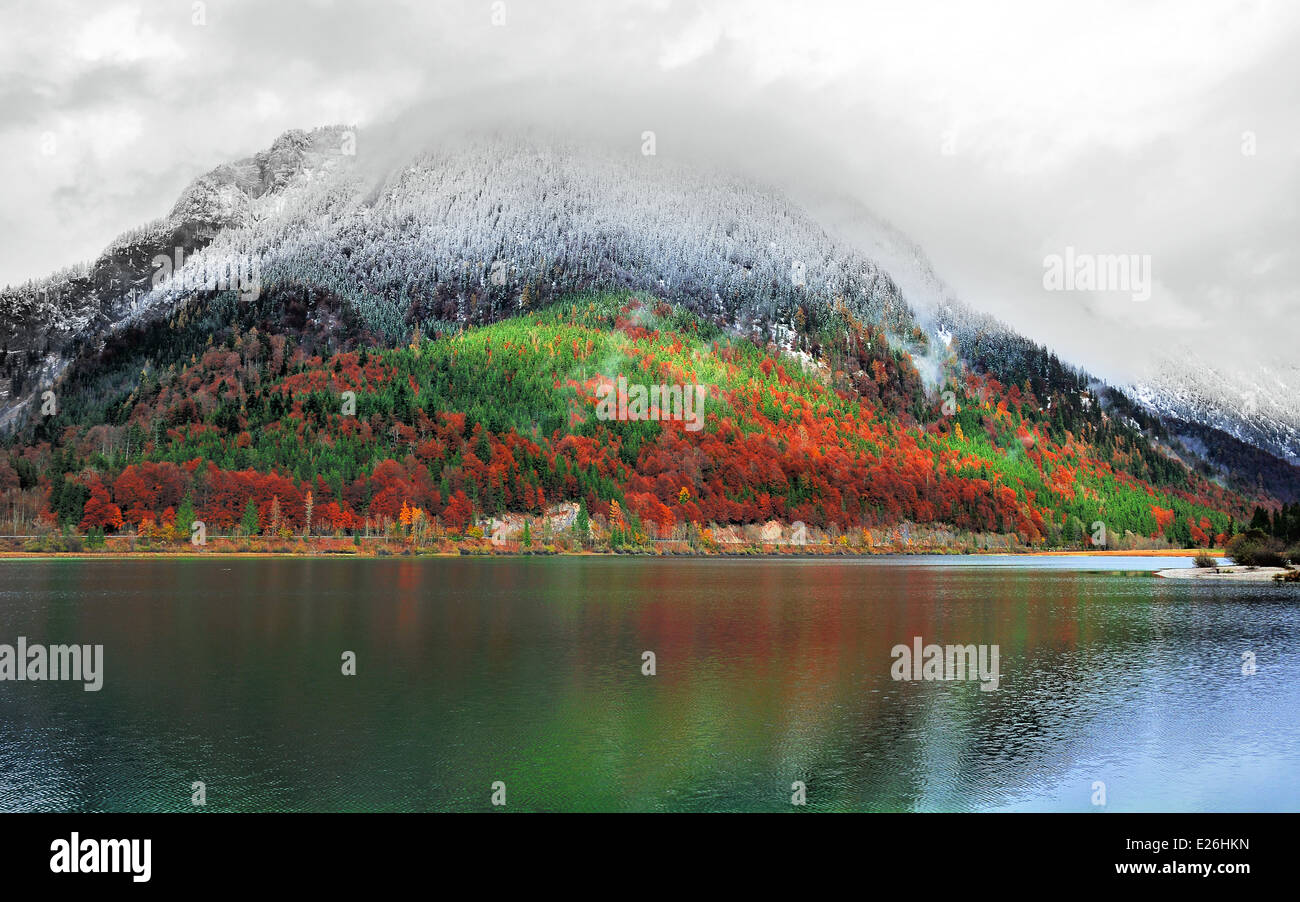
(529, 672)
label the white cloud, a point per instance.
(117, 35)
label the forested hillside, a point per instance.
(262, 424)
(473, 298)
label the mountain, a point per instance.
(1260, 408)
(453, 236)
(46, 323)
(194, 338)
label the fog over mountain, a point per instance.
(911, 133)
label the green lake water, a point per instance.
(529, 672)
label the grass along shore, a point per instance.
(388, 546)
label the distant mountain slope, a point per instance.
(1262, 409)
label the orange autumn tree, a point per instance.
(100, 512)
(1164, 517)
(457, 514)
(413, 519)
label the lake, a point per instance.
(529, 671)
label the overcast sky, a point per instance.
(994, 134)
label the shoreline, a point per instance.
(1228, 573)
(179, 554)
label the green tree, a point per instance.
(185, 517)
(248, 525)
(67, 499)
(1260, 520)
